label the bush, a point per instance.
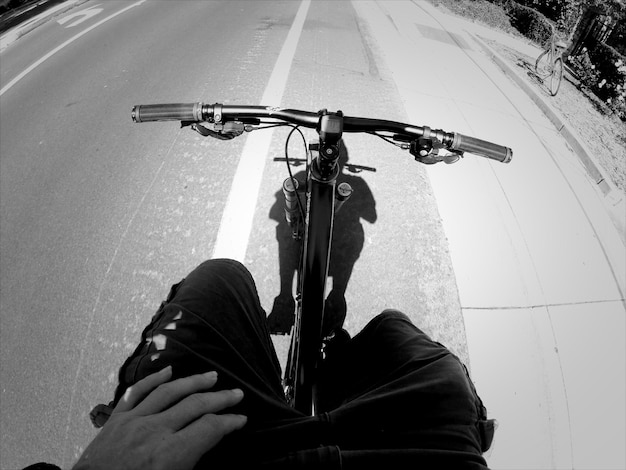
(529, 22)
(611, 67)
(488, 13)
(584, 69)
(551, 9)
(565, 13)
(617, 39)
(602, 70)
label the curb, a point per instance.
(613, 198)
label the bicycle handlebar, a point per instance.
(200, 112)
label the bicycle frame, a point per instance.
(311, 294)
(306, 349)
(549, 63)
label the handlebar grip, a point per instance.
(481, 147)
(167, 112)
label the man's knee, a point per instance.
(225, 269)
(392, 314)
(222, 264)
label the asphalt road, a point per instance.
(100, 216)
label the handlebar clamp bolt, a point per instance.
(217, 112)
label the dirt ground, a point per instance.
(603, 134)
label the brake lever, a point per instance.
(222, 131)
(427, 151)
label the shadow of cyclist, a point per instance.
(347, 243)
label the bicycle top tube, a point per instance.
(201, 112)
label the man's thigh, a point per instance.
(393, 385)
(213, 320)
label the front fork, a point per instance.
(294, 190)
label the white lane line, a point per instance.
(236, 224)
(66, 43)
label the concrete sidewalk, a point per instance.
(613, 198)
(537, 351)
(540, 264)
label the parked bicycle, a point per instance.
(310, 205)
(549, 64)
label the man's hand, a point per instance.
(163, 425)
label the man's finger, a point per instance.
(137, 392)
(169, 393)
(205, 433)
(197, 405)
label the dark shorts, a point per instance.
(390, 394)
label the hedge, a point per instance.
(529, 22)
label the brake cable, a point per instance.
(293, 180)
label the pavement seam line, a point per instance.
(505, 202)
(613, 199)
(582, 207)
(102, 284)
(525, 88)
(593, 168)
(547, 305)
(36, 64)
